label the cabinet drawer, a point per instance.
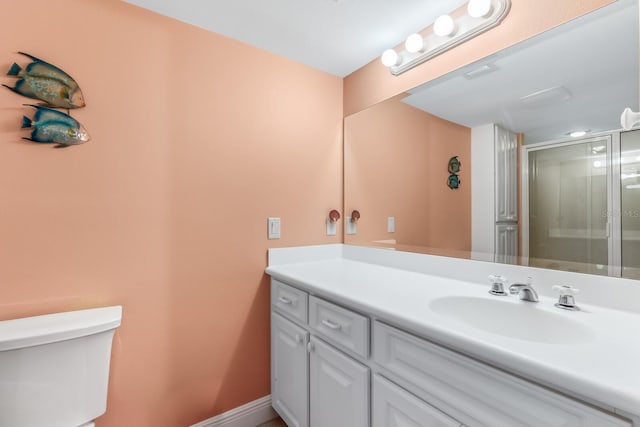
(474, 393)
(340, 326)
(392, 406)
(289, 301)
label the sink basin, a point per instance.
(514, 319)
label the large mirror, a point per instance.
(531, 186)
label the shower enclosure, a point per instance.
(581, 204)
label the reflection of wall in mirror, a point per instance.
(396, 160)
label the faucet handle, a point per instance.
(497, 285)
(566, 301)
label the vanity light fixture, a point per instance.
(448, 32)
(629, 119)
(444, 26)
(479, 8)
(390, 58)
(414, 43)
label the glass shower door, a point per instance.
(568, 206)
(630, 203)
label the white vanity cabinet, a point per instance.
(289, 366)
(471, 391)
(313, 381)
(335, 367)
(391, 406)
(339, 388)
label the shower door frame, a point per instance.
(614, 222)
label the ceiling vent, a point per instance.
(480, 71)
(548, 96)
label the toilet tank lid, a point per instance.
(48, 328)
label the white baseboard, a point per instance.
(248, 415)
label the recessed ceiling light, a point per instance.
(578, 133)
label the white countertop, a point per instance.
(604, 370)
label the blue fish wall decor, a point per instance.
(53, 126)
(46, 82)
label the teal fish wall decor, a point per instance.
(453, 182)
(53, 126)
(454, 165)
(46, 82)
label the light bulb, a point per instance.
(390, 58)
(414, 43)
(479, 8)
(444, 26)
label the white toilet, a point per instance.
(54, 369)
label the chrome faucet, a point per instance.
(524, 290)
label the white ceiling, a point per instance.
(594, 58)
(335, 36)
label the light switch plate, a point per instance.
(391, 224)
(273, 228)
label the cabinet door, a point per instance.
(289, 371)
(506, 243)
(506, 175)
(474, 393)
(339, 388)
(391, 406)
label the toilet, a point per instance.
(54, 369)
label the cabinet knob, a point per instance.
(310, 346)
(299, 339)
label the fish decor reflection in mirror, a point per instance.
(56, 89)
(453, 167)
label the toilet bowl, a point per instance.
(54, 368)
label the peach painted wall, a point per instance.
(396, 160)
(196, 140)
(374, 83)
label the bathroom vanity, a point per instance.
(372, 337)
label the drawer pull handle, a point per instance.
(329, 324)
(285, 300)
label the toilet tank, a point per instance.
(54, 369)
